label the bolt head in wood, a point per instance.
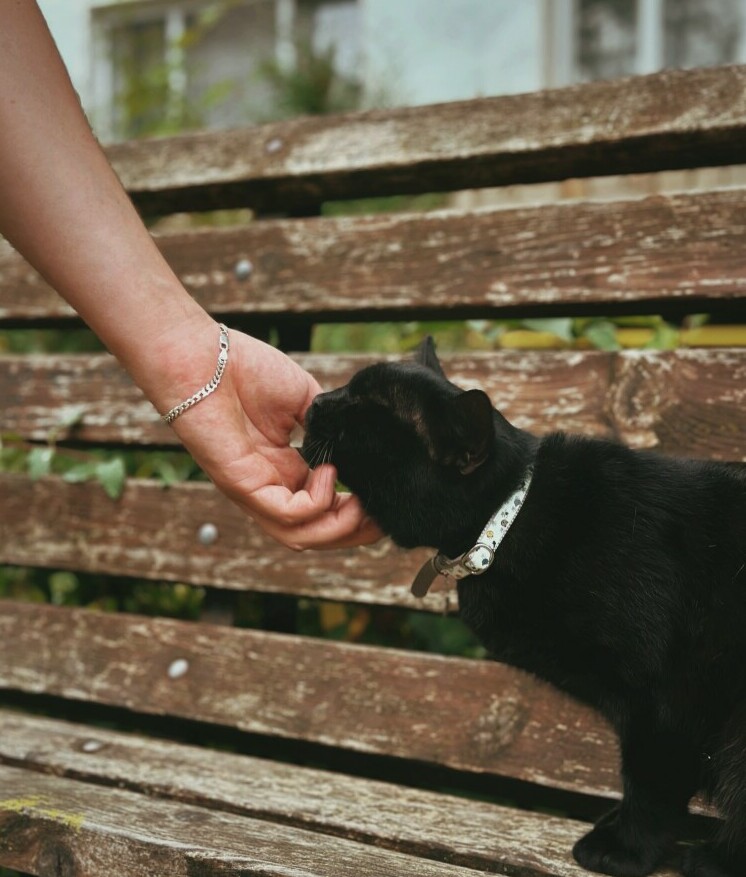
(178, 668)
(243, 269)
(207, 534)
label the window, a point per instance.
(702, 33)
(603, 39)
(139, 75)
(606, 38)
(166, 66)
(332, 25)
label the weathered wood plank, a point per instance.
(472, 715)
(681, 402)
(153, 533)
(50, 825)
(673, 119)
(467, 833)
(39, 392)
(644, 255)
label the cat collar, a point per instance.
(479, 557)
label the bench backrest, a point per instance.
(674, 254)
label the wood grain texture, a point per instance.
(153, 533)
(690, 402)
(57, 827)
(470, 715)
(680, 251)
(467, 833)
(673, 119)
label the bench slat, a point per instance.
(38, 392)
(472, 715)
(690, 402)
(56, 525)
(467, 833)
(52, 825)
(621, 256)
(673, 119)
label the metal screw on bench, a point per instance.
(207, 534)
(243, 269)
(273, 145)
(92, 746)
(178, 668)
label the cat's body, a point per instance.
(622, 581)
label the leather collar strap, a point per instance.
(479, 557)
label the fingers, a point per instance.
(344, 527)
(314, 516)
(289, 508)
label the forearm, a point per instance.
(63, 208)
(65, 211)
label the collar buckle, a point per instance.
(478, 559)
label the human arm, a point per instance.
(64, 210)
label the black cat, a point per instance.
(621, 579)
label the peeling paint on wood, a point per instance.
(464, 832)
(690, 402)
(472, 715)
(673, 119)
(129, 834)
(53, 524)
(620, 255)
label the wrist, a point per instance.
(170, 352)
(210, 387)
(183, 360)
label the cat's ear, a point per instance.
(425, 355)
(475, 430)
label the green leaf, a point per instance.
(39, 462)
(79, 472)
(167, 473)
(665, 337)
(62, 588)
(559, 326)
(602, 334)
(111, 474)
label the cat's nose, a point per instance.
(323, 407)
(319, 416)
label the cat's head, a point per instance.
(423, 455)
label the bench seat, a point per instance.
(151, 746)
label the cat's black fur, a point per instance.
(622, 581)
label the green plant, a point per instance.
(146, 101)
(313, 85)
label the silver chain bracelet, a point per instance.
(208, 388)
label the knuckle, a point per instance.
(287, 519)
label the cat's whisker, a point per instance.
(325, 452)
(315, 452)
(319, 455)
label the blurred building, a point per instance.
(152, 66)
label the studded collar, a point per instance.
(479, 557)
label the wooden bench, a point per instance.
(135, 745)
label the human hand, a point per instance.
(63, 208)
(240, 436)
